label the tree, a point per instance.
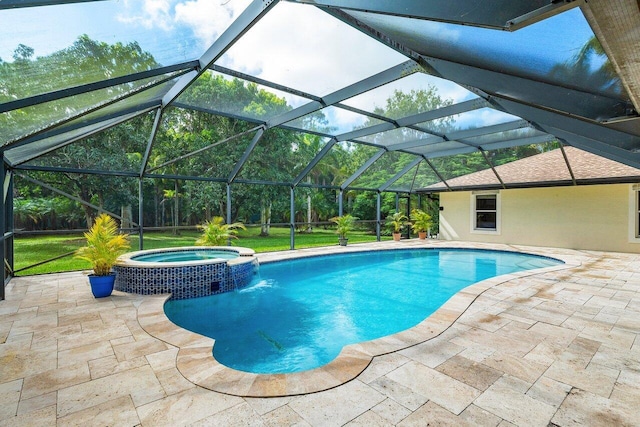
(107, 151)
(591, 67)
(85, 61)
(398, 105)
(272, 159)
(217, 233)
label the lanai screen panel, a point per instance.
(23, 153)
(210, 149)
(443, 148)
(338, 164)
(588, 166)
(333, 121)
(542, 52)
(531, 163)
(397, 137)
(22, 122)
(203, 197)
(428, 93)
(118, 149)
(225, 94)
(422, 175)
(103, 118)
(468, 120)
(516, 166)
(510, 138)
(251, 201)
(451, 167)
(318, 203)
(382, 170)
(280, 155)
(500, 14)
(302, 47)
(61, 46)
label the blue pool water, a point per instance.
(191, 255)
(298, 314)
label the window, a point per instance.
(485, 215)
(634, 213)
(486, 212)
(637, 212)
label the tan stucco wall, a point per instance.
(594, 217)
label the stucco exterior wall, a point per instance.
(593, 217)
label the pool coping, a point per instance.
(196, 363)
(127, 259)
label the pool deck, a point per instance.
(557, 347)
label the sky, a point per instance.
(295, 45)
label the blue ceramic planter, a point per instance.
(102, 286)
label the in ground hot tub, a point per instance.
(185, 272)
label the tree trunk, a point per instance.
(268, 229)
(309, 213)
(265, 218)
(87, 215)
(127, 216)
(88, 212)
(155, 204)
(175, 209)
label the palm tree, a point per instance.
(591, 67)
(217, 233)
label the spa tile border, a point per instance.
(185, 279)
(196, 363)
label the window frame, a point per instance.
(474, 212)
(634, 213)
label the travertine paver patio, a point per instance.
(553, 348)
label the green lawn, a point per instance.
(30, 250)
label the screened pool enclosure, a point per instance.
(291, 112)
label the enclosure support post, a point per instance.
(140, 214)
(292, 220)
(8, 200)
(6, 226)
(408, 215)
(340, 209)
(229, 210)
(378, 204)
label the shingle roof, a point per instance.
(546, 167)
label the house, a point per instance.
(561, 198)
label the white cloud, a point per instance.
(304, 48)
(489, 116)
(152, 13)
(344, 120)
(301, 47)
(208, 18)
(482, 117)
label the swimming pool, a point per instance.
(298, 314)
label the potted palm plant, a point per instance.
(421, 222)
(104, 244)
(217, 233)
(344, 224)
(396, 222)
